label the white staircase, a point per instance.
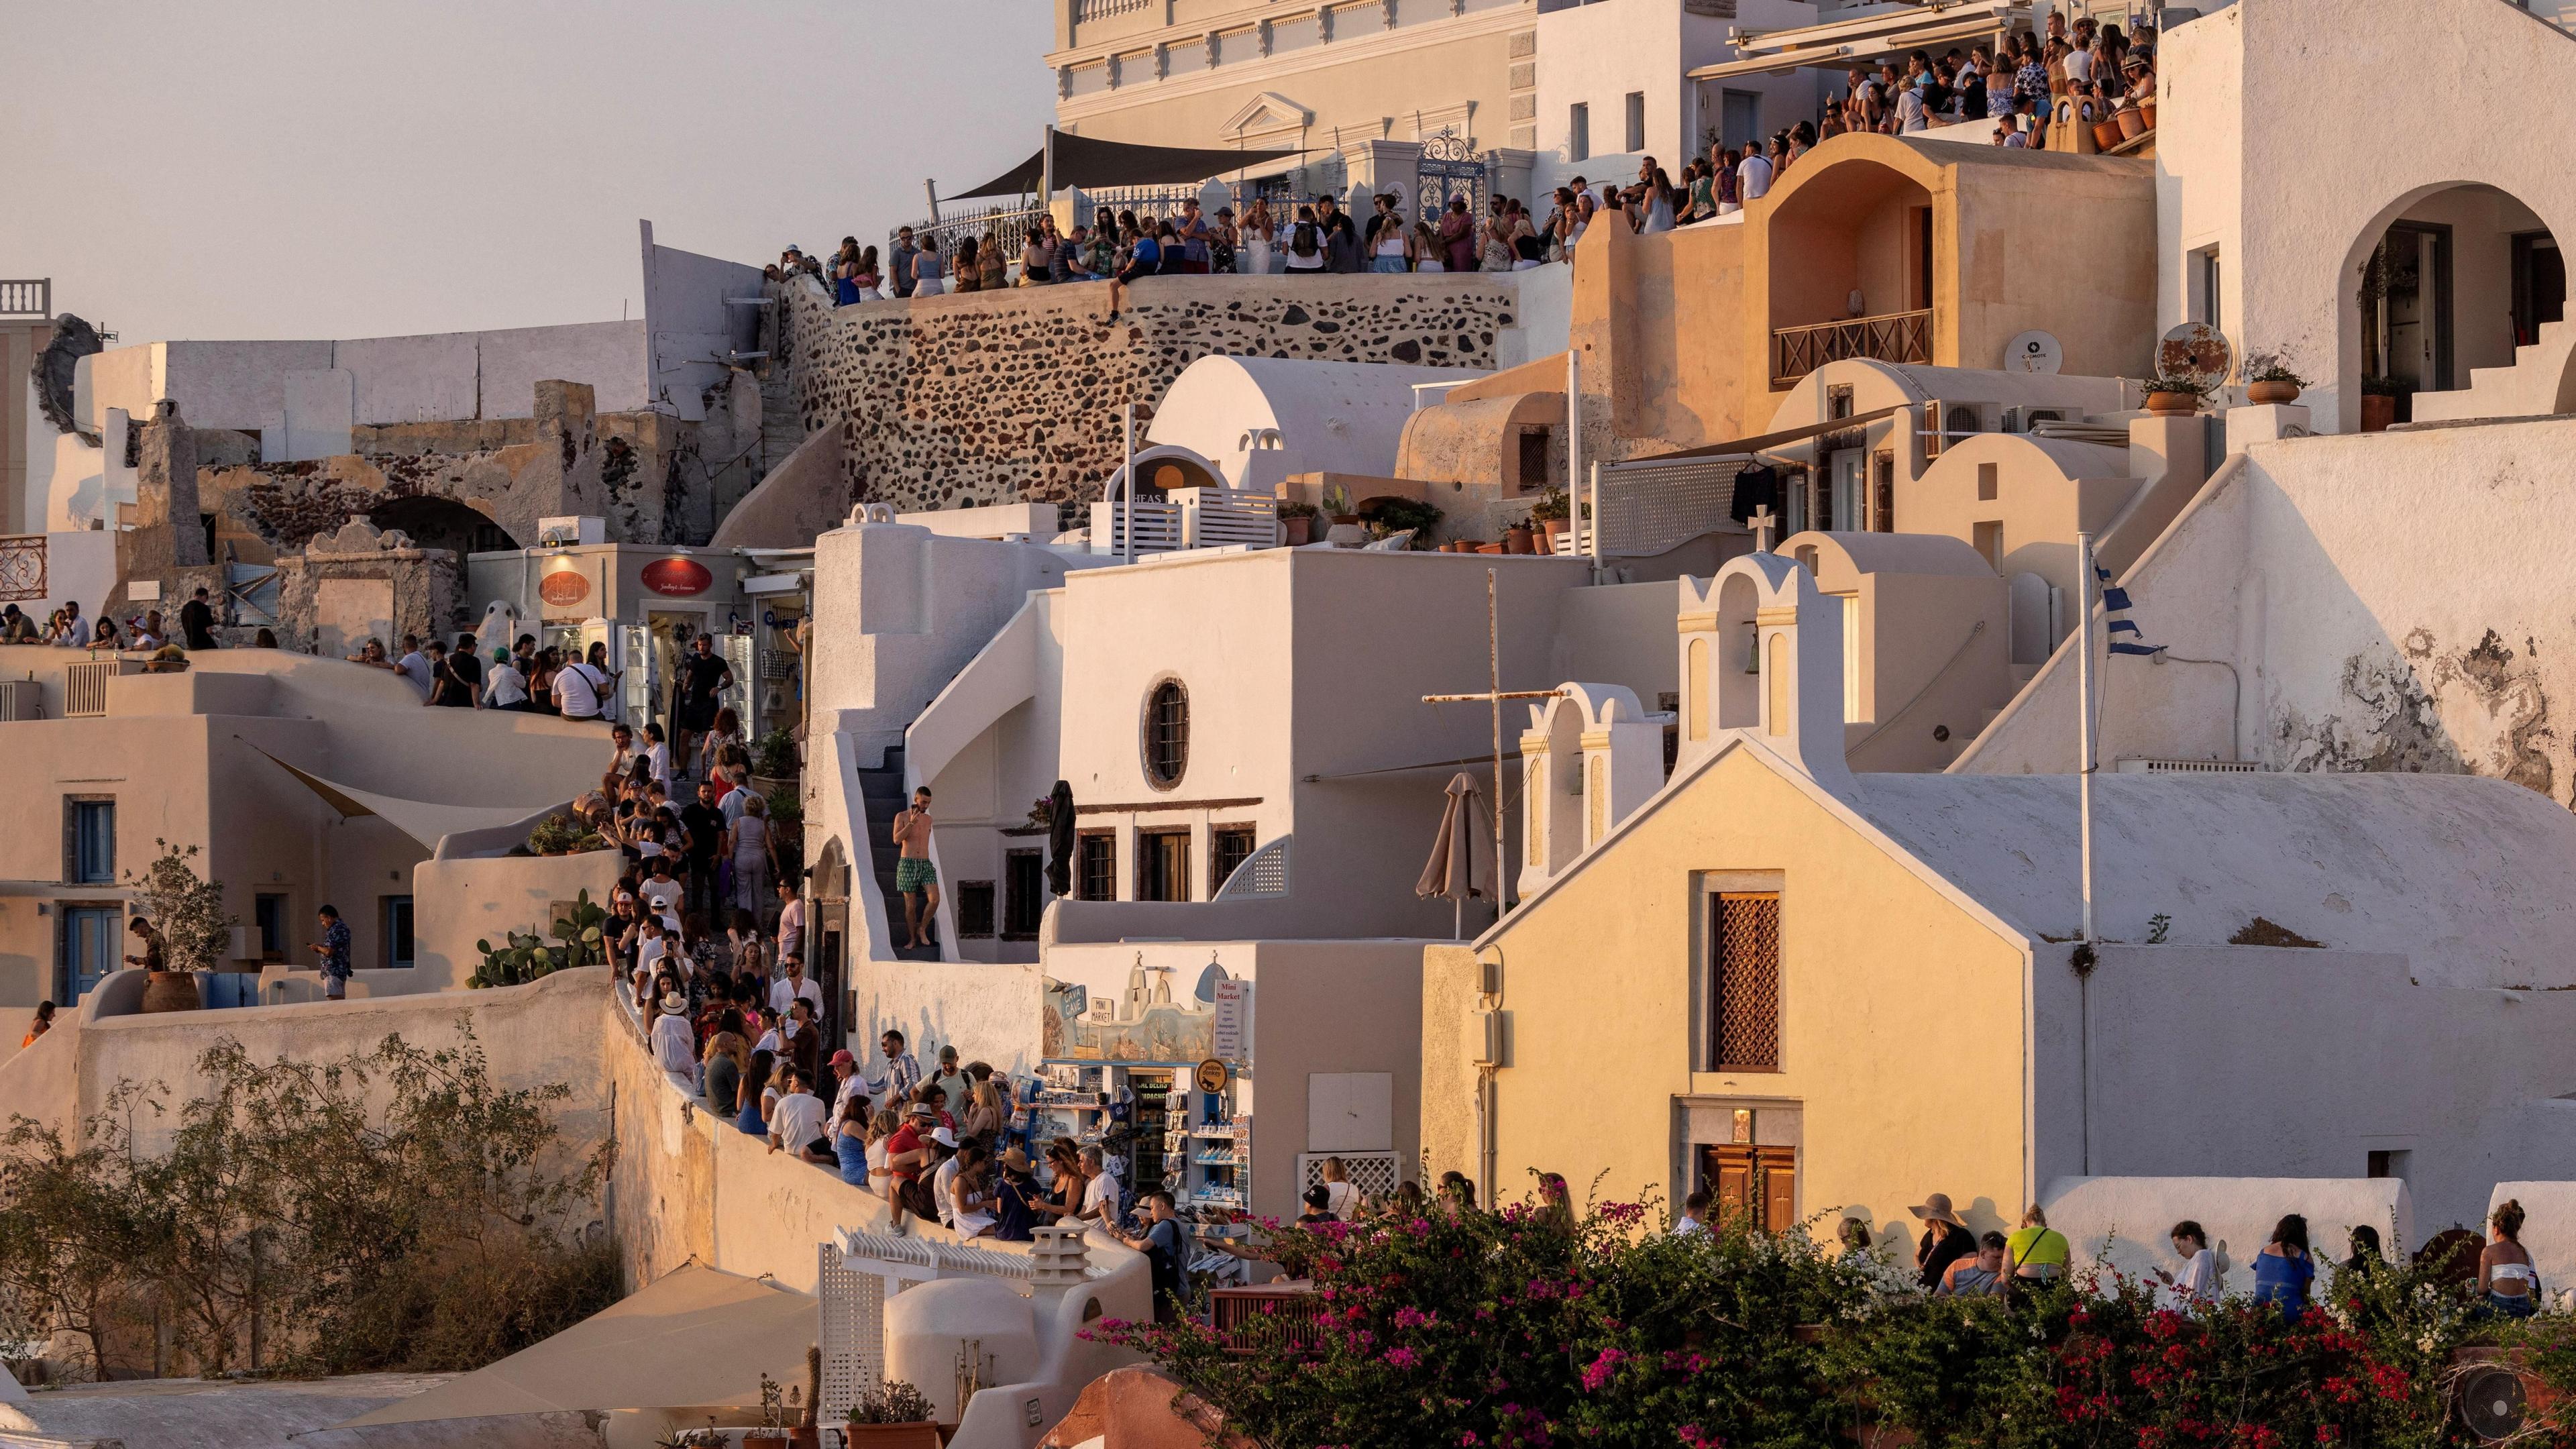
(2536, 385)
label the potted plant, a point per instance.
(2175, 397)
(1549, 513)
(186, 912)
(1337, 506)
(2268, 381)
(2378, 404)
(894, 1416)
(709, 1437)
(563, 835)
(1297, 523)
(773, 762)
(774, 1414)
(1395, 515)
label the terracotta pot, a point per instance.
(1555, 528)
(2132, 125)
(1518, 539)
(2147, 109)
(1489, 548)
(1299, 530)
(2377, 413)
(2106, 134)
(2272, 392)
(891, 1436)
(2172, 404)
(1343, 518)
(171, 991)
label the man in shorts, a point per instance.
(914, 875)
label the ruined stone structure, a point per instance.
(361, 582)
(999, 397)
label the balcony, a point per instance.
(1891, 337)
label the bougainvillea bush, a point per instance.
(1526, 1329)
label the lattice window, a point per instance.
(1167, 734)
(853, 1332)
(1744, 985)
(1375, 1174)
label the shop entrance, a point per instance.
(1755, 1185)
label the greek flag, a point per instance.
(2115, 608)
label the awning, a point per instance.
(1746, 447)
(1090, 163)
(422, 820)
(696, 1338)
(1846, 42)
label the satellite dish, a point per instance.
(2197, 351)
(2037, 352)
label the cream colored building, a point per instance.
(303, 782)
(1297, 76)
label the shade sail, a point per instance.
(422, 820)
(695, 1338)
(1763, 443)
(1091, 163)
(1876, 34)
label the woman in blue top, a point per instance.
(754, 1079)
(850, 1140)
(2284, 1269)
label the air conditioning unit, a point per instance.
(21, 699)
(564, 532)
(2018, 419)
(1946, 424)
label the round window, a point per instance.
(1167, 734)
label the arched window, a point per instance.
(1167, 734)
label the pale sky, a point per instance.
(364, 168)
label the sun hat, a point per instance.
(924, 1109)
(944, 1137)
(1936, 1209)
(674, 1003)
(1015, 1160)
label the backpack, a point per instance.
(1302, 242)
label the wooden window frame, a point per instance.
(992, 910)
(1217, 833)
(1082, 841)
(1146, 850)
(71, 839)
(1004, 922)
(1155, 740)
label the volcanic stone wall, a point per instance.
(1015, 396)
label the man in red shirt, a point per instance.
(908, 1152)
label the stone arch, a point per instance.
(435, 521)
(2466, 314)
(1847, 225)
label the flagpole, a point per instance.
(2084, 715)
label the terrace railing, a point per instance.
(27, 297)
(1890, 337)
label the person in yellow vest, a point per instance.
(2036, 1250)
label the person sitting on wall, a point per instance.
(44, 1022)
(19, 629)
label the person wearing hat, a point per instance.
(504, 687)
(1018, 1206)
(908, 1153)
(1161, 1243)
(848, 1082)
(1945, 1239)
(675, 1043)
(1319, 1208)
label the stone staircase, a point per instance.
(2538, 384)
(882, 794)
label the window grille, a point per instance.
(1745, 982)
(1375, 1174)
(1096, 876)
(1167, 734)
(1229, 846)
(974, 908)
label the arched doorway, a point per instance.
(827, 891)
(435, 522)
(2449, 279)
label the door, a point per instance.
(1850, 487)
(1755, 1185)
(91, 935)
(2418, 311)
(2539, 286)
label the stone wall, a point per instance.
(1000, 397)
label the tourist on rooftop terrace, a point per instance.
(901, 271)
(331, 953)
(1260, 235)
(1976, 1275)
(69, 629)
(42, 1023)
(1386, 248)
(927, 272)
(992, 267)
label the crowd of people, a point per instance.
(1953, 1260)
(2015, 82)
(148, 631)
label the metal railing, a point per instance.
(85, 685)
(1009, 226)
(1890, 337)
(1088, 10)
(22, 568)
(27, 297)
(1188, 518)
(1268, 1320)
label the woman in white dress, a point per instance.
(1252, 258)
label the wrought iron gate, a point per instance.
(1450, 170)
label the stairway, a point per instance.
(2534, 386)
(881, 798)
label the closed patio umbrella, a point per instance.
(1458, 868)
(1060, 839)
